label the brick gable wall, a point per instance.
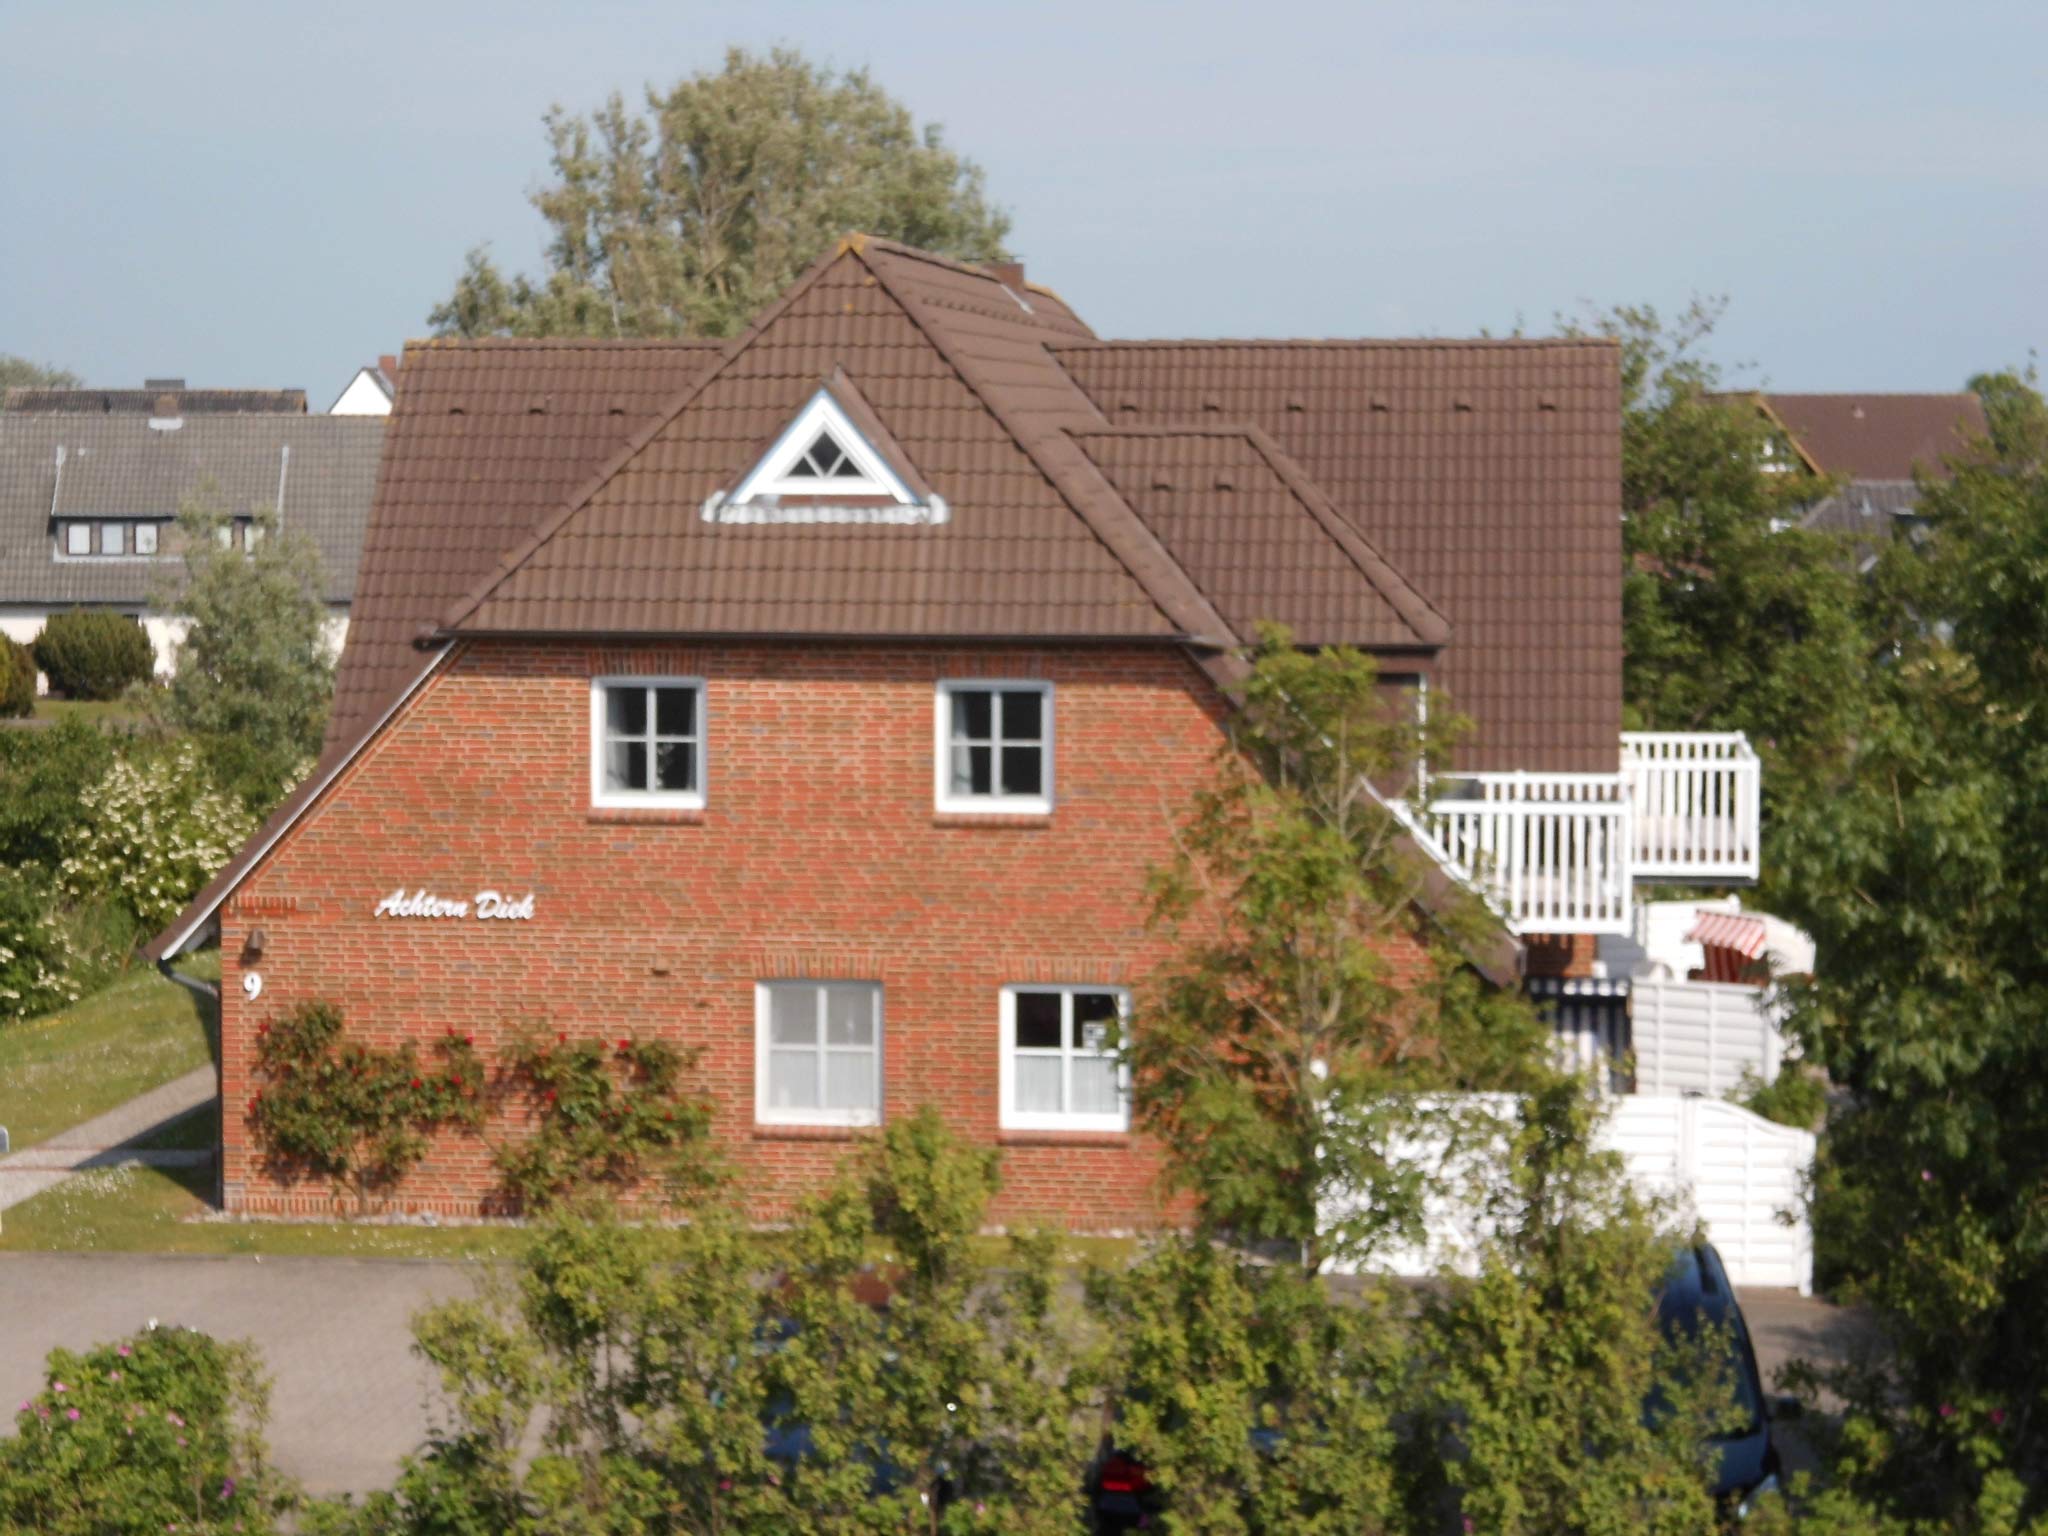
(819, 854)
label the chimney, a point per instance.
(161, 384)
(1009, 273)
(388, 366)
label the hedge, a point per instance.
(17, 680)
(93, 654)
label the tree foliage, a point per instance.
(92, 653)
(17, 680)
(688, 219)
(1281, 1052)
(254, 673)
(1922, 879)
(20, 373)
(1734, 616)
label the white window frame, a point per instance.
(71, 538)
(145, 538)
(766, 1113)
(772, 476)
(604, 797)
(946, 800)
(1011, 1118)
(120, 540)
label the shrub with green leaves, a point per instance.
(159, 1432)
(330, 1107)
(35, 950)
(44, 776)
(151, 833)
(600, 1115)
(90, 653)
(1797, 1096)
(17, 680)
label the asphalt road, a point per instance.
(349, 1398)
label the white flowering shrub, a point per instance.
(154, 832)
(35, 950)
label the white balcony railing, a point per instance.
(1550, 851)
(1697, 797)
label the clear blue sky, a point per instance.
(262, 194)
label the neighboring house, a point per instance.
(818, 701)
(91, 482)
(1875, 446)
(370, 392)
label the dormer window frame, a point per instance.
(775, 491)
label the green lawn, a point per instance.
(114, 714)
(83, 1060)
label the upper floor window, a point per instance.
(145, 538)
(994, 747)
(647, 742)
(1059, 1071)
(78, 538)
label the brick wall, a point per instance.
(819, 854)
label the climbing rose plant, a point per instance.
(154, 831)
(604, 1115)
(343, 1110)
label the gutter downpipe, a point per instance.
(207, 993)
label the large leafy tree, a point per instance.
(1923, 877)
(255, 670)
(1734, 616)
(685, 220)
(1278, 1054)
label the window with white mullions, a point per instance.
(995, 747)
(647, 741)
(1059, 1071)
(825, 460)
(818, 1053)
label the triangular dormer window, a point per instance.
(824, 468)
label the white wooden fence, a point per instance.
(1699, 1036)
(1743, 1178)
(1697, 799)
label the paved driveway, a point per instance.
(348, 1397)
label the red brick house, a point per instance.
(819, 699)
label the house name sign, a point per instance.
(483, 906)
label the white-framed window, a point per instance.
(78, 538)
(145, 538)
(994, 747)
(647, 741)
(113, 538)
(1059, 1072)
(818, 1053)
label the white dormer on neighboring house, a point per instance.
(370, 392)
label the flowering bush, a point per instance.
(160, 1432)
(35, 950)
(343, 1110)
(154, 831)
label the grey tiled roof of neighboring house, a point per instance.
(1864, 507)
(119, 467)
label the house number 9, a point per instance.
(252, 984)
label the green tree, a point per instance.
(1734, 616)
(689, 219)
(254, 673)
(1535, 1373)
(20, 373)
(1281, 1054)
(43, 778)
(1922, 878)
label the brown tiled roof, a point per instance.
(1260, 541)
(1488, 472)
(486, 437)
(173, 400)
(1879, 437)
(954, 364)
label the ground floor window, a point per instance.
(818, 1053)
(1058, 1070)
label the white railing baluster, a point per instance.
(1696, 798)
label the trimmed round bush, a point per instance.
(17, 680)
(93, 654)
